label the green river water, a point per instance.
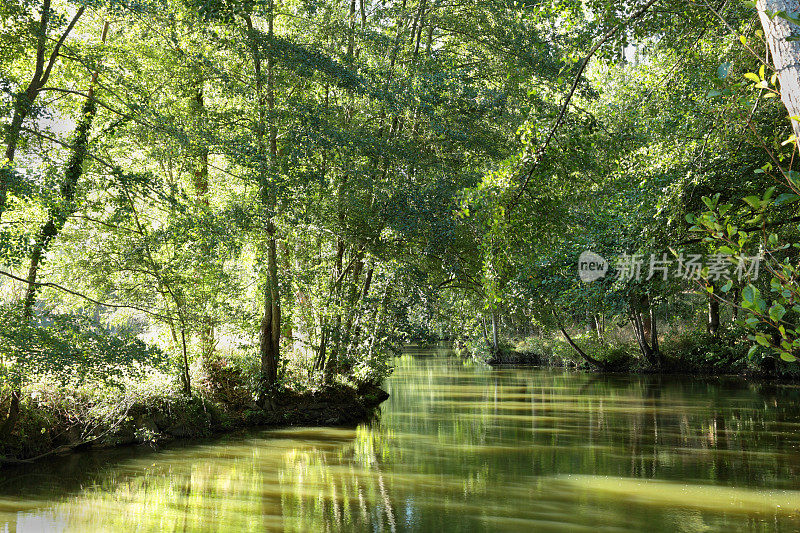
(458, 447)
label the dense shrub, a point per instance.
(229, 380)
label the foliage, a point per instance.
(279, 195)
(70, 348)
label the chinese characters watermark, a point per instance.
(638, 267)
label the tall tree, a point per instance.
(25, 99)
(782, 35)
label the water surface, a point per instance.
(458, 447)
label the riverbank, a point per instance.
(456, 448)
(728, 353)
(48, 426)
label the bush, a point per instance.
(229, 380)
(70, 348)
(696, 350)
(372, 370)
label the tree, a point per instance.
(24, 100)
(779, 20)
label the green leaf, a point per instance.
(786, 198)
(789, 358)
(752, 201)
(787, 16)
(750, 293)
(723, 70)
(776, 312)
(752, 76)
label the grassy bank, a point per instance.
(57, 418)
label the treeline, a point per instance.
(277, 194)
(250, 190)
(650, 220)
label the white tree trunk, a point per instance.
(785, 54)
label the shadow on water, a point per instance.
(458, 447)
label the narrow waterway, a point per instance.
(458, 447)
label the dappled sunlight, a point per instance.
(706, 497)
(456, 448)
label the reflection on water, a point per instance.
(458, 448)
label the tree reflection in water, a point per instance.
(458, 448)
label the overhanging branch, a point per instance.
(539, 157)
(87, 298)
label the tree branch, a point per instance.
(87, 298)
(539, 157)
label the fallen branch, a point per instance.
(589, 359)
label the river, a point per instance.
(457, 447)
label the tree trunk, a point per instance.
(599, 327)
(644, 316)
(23, 101)
(57, 214)
(319, 362)
(199, 165)
(65, 207)
(338, 276)
(13, 414)
(785, 53)
(591, 360)
(656, 349)
(638, 332)
(378, 318)
(495, 343)
(200, 149)
(270, 331)
(361, 309)
(486, 333)
(351, 34)
(272, 259)
(648, 352)
(713, 315)
(352, 303)
(185, 379)
(271, 323)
